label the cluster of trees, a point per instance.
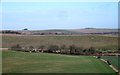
(16, 47)
(52, 33)
(72, 49)
(118, 50)
(10, 32)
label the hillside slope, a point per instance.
(93, 30)
(80, 41)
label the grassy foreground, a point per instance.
(23, 62)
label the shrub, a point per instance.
(26, 49)
(98, 52)
(31, 48)
(63, 48)
(16, 47)
(108, 62)
(79, 50)
(99, 57)
(72, 49)
(53, 48)
(92, 50)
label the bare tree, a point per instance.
(72, 49)
(53, 48)
(16, 47)
(92, 50)
(31, 48)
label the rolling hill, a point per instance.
(63, 31)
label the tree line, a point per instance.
(72, 49)
(10, 32)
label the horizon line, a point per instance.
(60, 29)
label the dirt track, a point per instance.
(3, 48)
(59, 35)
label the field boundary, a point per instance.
(110, 65)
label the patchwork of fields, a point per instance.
(23, 62)
(69, 31)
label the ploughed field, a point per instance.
(80, 41)
(24, 62)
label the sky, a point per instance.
(59, 15)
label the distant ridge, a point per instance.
(65, 31)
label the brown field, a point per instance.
(93, 30)
(47, 40)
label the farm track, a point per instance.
(3, 48)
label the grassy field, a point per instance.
(23, 62)
(115, 61)
(80, 41)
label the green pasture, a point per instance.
(23, 62)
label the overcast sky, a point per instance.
(59, 15)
